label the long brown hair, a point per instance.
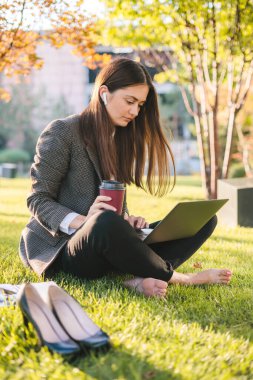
(124, 152)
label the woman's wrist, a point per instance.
(78, 221)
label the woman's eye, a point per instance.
(129, 102)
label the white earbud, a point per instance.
(104, 98)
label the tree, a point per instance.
(26, 23)
(205, 46)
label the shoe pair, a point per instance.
(59, 320)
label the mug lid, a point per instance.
(112, 185)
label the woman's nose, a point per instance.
(134, 110)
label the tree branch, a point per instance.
(8, 48)
(243, 97)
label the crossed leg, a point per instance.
(107, 243)
(177, 252)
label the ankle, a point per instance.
(133, 282)
(181, 278)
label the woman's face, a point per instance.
(123, 105)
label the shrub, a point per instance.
(237, 170)
(14, 156)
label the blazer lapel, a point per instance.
(94, 160)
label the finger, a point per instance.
(131, 221)
(104, 206)
(143, 224)
(135, 220)
(102, 198)
(140, 223)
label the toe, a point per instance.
(161, 284)
(225, 273)
(161, 293)
(223, 276)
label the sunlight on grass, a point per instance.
(204, 332)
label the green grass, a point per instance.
(203, 332)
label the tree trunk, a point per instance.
(213, 158)
(230, 129)
(214, 144)
(203, 166)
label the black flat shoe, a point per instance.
(75, 321)
(50, 332)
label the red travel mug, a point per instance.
(115, 190)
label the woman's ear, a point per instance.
(103, 93)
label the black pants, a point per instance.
(107, 243)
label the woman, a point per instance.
(72, 228)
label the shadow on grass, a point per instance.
(223, 309)
(121, 364)
(220, 308)
(214, 307)
(25, 354)
(116, 363)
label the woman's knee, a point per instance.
(109, 221)
(101, 222)
(211, 224)
(108, 216)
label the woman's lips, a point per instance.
(127, 119)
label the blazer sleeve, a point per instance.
(51, 164)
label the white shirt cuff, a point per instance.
(64, 226)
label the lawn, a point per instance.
(203, 332)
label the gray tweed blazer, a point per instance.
(65, 178)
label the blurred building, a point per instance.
(63, 76)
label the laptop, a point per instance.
(183, 221)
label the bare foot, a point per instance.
(211, 276)
(150, 287)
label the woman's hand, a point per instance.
(136, 221)
(100, 205)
